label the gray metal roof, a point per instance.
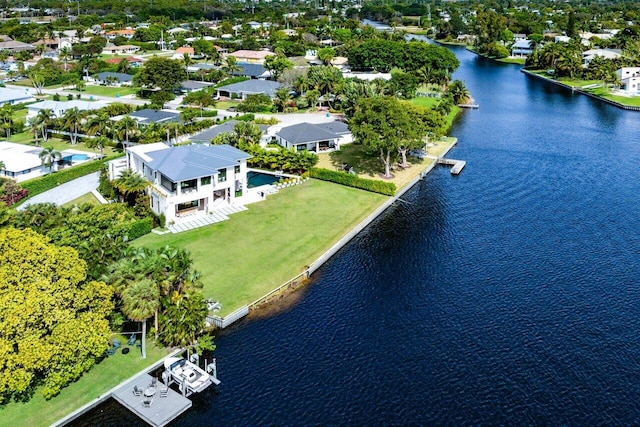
(336, 126)
(148, 116)
(194, 161)
(12, 95)
(193, 85)
(250, 87)
(122, 77)
(207, 135)
(305, 132)
(252, 70)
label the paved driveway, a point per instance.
(66, 192)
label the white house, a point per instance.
(13, 96)
(59, 107)
(588, 55)
(320, 137)
(629, 78)
(188, 181)
(521, 48)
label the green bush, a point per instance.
(40, 185)
(140, 228)
(343, 178)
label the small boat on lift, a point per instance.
(189, 376)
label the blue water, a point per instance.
(506, 295)
(256, 179)
(76, 157)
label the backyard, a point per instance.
(259, 249)
(109, 373)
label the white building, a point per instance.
(13, 96)
(188, 181)
(629, 78)
(59, 107)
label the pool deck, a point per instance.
(162, 410)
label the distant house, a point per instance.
(192, 86)
(254, 71)
(189, 181)
(132, 60)
(21, 161)
(250, 87)
(207, 135)
(251, 56)
(115, 79)
(588, 55)
(180, 52)
(120, 50)
(521, 48)
(15, 46)
(148, 116)
(58, 108)
(314, 137)
(126, 33)
(629, 78)
(13, 96)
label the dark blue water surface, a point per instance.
(506, 295)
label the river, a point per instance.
(506, 295)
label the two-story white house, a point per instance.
(629, 78)
(188, 181)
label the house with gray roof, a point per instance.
(314, 137)
(109, 79)
(207, 135)
(58, 108)
(193, 85)
(148, 116)
(254, 71)
(190, 181)
(13, 96)
(250, 87)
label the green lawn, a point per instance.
(58, 144)
(109, 373)
(605, 93)
(519, 61)
(108, 91)
(426, 102)
(86, 198)
(259, 249)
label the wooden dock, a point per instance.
(162, 410)
(456, 165)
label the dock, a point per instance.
(456, 165)
(161, 411)
(471, 106)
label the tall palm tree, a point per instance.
(49, 155)
(187, 61)
(126, 127)
(459, 93)
(65, 54)
(6, 118)
(230, 65)
(34, 126)
(45, 119)
(139, 302)
(283, 96)
(72, 120)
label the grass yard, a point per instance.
(107, 91)
(426, 102)
(518, 61)
(257, 250)
(224, 105)
(624, 100)
(58, 144)
(104, 376)
(86, 198)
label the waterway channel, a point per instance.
(509, 294)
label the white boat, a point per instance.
(190, 377)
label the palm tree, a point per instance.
(72, 120)
(65, 54)
(6, 118)
(187, 61)
(283, 95)
(459, 93)
(230, 65)
(34, 126)
(48, 156)
(98, 124)
(45, 119)
(139, 302)
(126, 127)
(2, 166)
(130, 183)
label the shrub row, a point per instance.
(343, 178)
(140, 228)
(40, 185)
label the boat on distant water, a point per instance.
(189, 376)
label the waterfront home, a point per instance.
(521, 48)
(588, 55)
(629, 78)
(249, 87)
(188, 181)
(13, 96)
(59, 107)
(321, 137)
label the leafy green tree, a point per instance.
(53, 323)
(48, 156)
(6, 118)
(387, 126)
(326, 55)
(161, 73)
(276, 64)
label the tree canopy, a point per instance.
(162, 73)
(53, 322)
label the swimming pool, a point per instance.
(256, 179)
(76, 157)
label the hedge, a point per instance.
(343, 178)
(44, 183)
(140, 228)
